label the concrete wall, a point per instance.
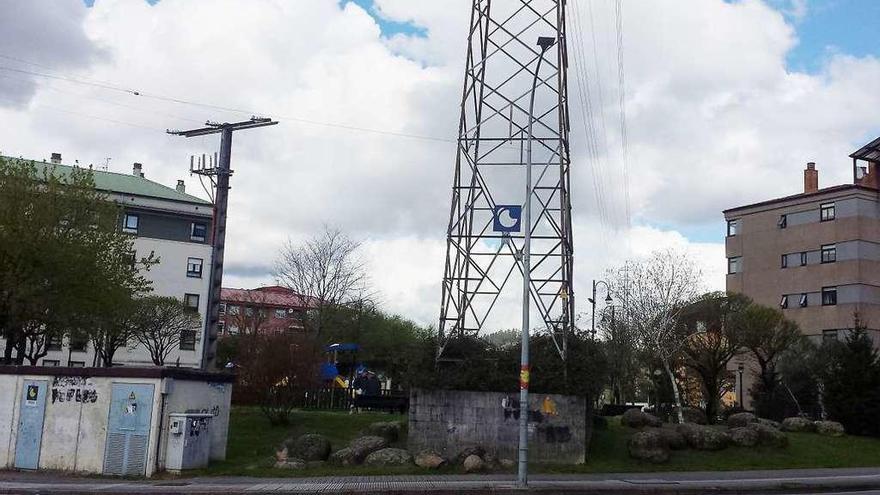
(78, 407)
(448, 421)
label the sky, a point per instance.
(725, 102)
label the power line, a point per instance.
(133, 92)
(621, 81)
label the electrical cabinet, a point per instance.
(189, 441)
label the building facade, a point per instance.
(272, 309)
(174, 226)
(814, 255)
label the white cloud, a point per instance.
(714, 118)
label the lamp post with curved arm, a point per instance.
(592, 300)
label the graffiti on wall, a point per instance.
(547, 410)
(73, 389)
(214, 411)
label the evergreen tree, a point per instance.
(851, 384)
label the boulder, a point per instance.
(507, 463)
(672, 438)
(291, 463)
(389, 430)
(309, 447)
(770, 423)
(281, 454)
(769, 436)
(473, 463)
(469, 451)
(743, 436)
(429, 459)
(343, 457)
(490, 459)
(638, 419)
(389, 457)
(830, 428)
(740, 420)
(797, 424)
(648, 445)
(703, 437)
(693, 415)
(361, 447)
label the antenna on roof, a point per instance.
(106, 166)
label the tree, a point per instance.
(159, 324)
(654, 292)
(619, 345)
(63, 261)
(249, 316)
(275, 372)
(851, 384)
(766, 334)
(325, 269)
(713, 341)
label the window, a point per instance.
(51, 362)
(783, 221)
(233, 330)
(76, 364)
(194, 267)
(78, 343)
(188, 340)
(784, 262)
(783, 303)
(826, 212)
(130, 223)
(199, 232)
(733, 265)
(802, 302)
(829, 336)
(829, 296)
(804, 259)
(54, 343)
(249, 311)
(233, 310)
(222, 309)
(732, 227)
(221, 327)
(829, 253)
(280, 313)
(191, 301)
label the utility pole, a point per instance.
(218, 174)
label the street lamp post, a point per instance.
(592, 300)
(522, 473)
(739, 370)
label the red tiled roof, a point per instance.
(267, 296)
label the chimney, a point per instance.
(181, 187)
(811, 178)
(137, 170)
(56, 158)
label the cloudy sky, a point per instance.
(725, 102)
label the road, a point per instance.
(853, 481)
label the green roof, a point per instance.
(125, 184)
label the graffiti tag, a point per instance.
(73, 389)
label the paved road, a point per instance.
(862, 481)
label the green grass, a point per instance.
(252, 443)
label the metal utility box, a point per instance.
(189, 441)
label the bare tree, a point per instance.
(327, 271)
(160, 323)
(250, 314)
(654, 291)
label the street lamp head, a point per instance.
(608, 299)
(545, 42)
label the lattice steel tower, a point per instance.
(502, 55)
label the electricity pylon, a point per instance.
(484, 247)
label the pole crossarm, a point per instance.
(501, 70)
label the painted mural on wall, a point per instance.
(547, 410)
(73, 389)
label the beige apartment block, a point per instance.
(815, 255)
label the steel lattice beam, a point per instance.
(480, 263)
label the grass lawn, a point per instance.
(252, 443)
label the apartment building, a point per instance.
(176, 227)
(816, 254)
(271, 309)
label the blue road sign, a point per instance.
(507, 218)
